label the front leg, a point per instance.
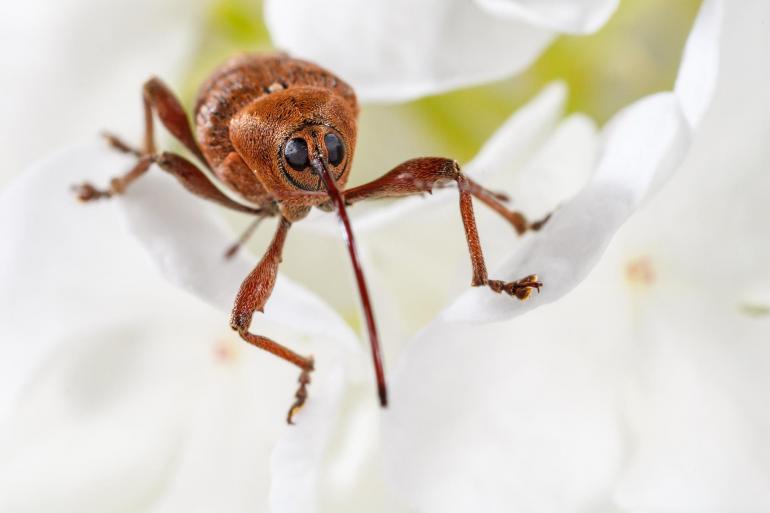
(422, 175)
(252, 297)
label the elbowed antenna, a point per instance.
(320, 168)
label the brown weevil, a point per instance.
(280, 133)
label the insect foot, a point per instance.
(87, 192)
(539, 224)
(522, 288)
(301, 394)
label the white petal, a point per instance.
(558, 170)
(698, 403)
(697, 76)
(644, 144)
(58, 259)
(522, 132)
(96, 68)
(97, 375)
(516, 416)
(397, 50)
(698, 409)
(728, 169)
(296, 462)
(645, 139)
(100, 427)
(509, 148)
(239, 454)
(570, 16)
(75, 275)
(427, 249)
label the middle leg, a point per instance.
(495, 201)
(422, 175)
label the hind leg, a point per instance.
(159, 98)
(495, 201)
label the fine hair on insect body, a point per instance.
(280, 134)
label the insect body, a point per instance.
(281, 133)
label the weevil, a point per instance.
(280, 133)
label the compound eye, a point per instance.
(334, 148)
(296, 153)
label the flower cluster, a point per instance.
(635, 381)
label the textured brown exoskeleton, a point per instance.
(280, 133)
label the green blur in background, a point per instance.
(636, 53)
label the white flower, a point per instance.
(121, 393)
(398, 50)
